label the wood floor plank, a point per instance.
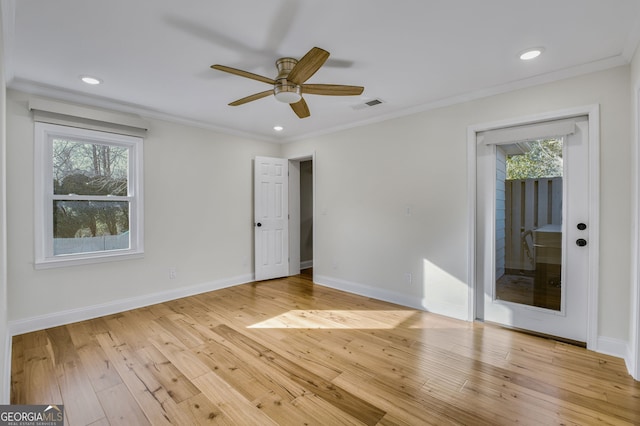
(98, 368)
(204, 412)
(245, 378)
(176, 326)
(152, 398)
(168, 376)
(267, 378)
(348, 402)
(421, 408)
(101, 422)
(238, 409)
(120, 407)
(288, 351)
(319, 411)
(40, 385)
(181, 357)
(81, 403)
(312, 349)
(17, 370)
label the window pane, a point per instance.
(89, 168)
(90, 226)
(529, 223)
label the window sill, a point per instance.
(63, 262)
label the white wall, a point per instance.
(4, 335)
(391, 198)
(198, 219)
(634, 322)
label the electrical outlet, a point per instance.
(173, 274)
(408, 277)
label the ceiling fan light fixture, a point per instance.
(287, 92)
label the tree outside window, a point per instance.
(90, 189)
(543, 159)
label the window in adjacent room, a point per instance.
(88, 196)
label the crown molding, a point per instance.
(39, 89)
(44, 90)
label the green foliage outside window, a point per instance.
(542, 160)
(89, 169)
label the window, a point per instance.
(88, 196)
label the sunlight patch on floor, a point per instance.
(318, 319)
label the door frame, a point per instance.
(633, 361)
(294, 212)
(593, 112)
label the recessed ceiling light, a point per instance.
(90, 80)
(278, 128)
(529, 54)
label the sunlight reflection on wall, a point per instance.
(443, 293)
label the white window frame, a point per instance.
(44, 135)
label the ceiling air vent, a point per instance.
(368, 104)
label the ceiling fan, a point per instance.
(288, 86)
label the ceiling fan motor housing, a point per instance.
(284, 90)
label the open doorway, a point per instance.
(306, 217)
(301, 202)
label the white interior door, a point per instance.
(271, 214)
(533, 234)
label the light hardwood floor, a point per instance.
(293, 353)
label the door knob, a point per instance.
(258, 224)
(582, 226)
(581, 242)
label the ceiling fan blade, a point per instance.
(253, 97)
(301, 109)
(331, 89)
(308, 65)
(242, 73)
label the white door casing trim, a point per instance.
(593, 112)
(633, 361)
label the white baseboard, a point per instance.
(55, 319)
(631, 365)
(367, 291)
(615, 347)
(306, 264)
(449, 310)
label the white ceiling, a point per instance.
(154, 55)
